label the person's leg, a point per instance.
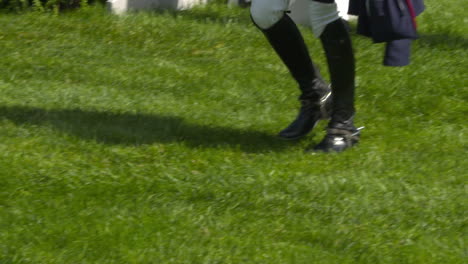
(285, 38)
(397, 52)
(336, 42)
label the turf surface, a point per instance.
(150, 138)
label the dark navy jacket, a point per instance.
(398, 36)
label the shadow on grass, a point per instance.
(141, 129)
(437, 40)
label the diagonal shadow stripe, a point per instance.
(139, 129)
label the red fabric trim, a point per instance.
(412, 13)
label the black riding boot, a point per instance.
(341, 132)
(287, 41)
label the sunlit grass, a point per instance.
(150, 138)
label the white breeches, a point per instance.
(265, 13)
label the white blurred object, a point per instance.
(343, 8)
(122, 6)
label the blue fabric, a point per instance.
(390, 20)
(355, 6)
(391, 24)
(397, 52)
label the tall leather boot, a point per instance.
(287, 41)
(341, 132)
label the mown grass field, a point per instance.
(151, 138)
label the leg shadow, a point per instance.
(140, 129)
(439, 40)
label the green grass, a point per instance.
(150, 138)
